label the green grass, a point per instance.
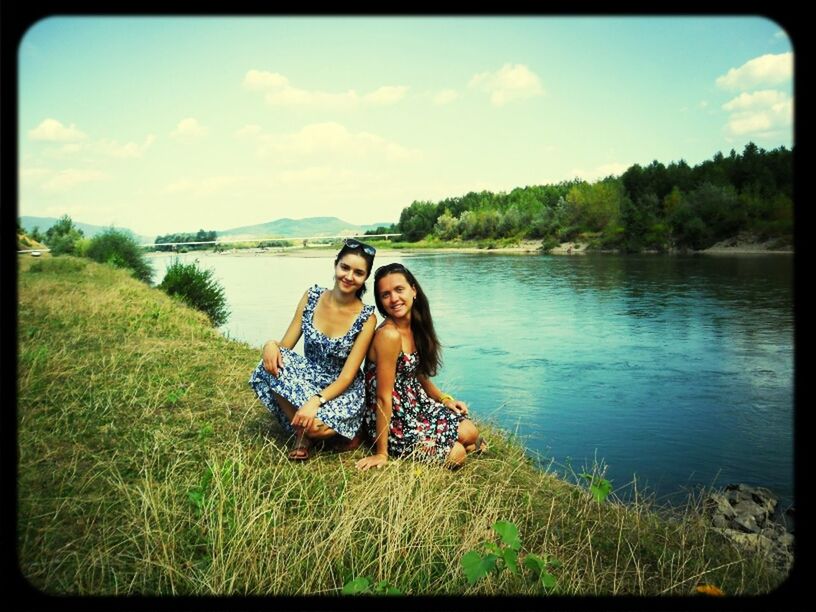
(148, 466)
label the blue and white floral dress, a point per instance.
(303, 376)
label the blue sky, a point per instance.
(164, 124)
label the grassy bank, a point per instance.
(147, 466)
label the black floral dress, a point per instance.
(303, 376)
(419, 424)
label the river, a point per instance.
(676, 371)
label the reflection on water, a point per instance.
(676, 369)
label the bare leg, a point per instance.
(302, 442)
(468, 435)
(456, 457)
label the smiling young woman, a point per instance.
(407, 414)
(321, 395)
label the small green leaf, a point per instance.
(534, 563)
(511, 559)
(392, 591)
(601, 489)
(472, 565)
(508, 533)
(356, 586)
(492, 548)
(489, 563)
(547, 580)
(476, 566)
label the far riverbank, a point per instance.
(732, 246)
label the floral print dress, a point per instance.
(303, 376)
(419, 424)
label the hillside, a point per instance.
(88, 230)
(25, 242)
(283, 228)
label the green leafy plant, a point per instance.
(540, 566)
(197, 288)
(175, 395)
(505, 555)
(365, 586)
(599, 487)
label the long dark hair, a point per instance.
(428, 347)
(358, 249)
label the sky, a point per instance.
(174, 124)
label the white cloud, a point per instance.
(333, 138)
(248, 131)
(765, 70)
(127, 150)
(600, 172)
(188, 128)
(446, 96)
(256, 80)
(51, 130)
(280, 92)
(759, 114)
(65, 180)
(511, 82)
(758, 99)
(383, 96)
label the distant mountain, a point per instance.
(88, 230)
(304, 228)
(283, 228)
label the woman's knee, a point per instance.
(468, 434)
(457, 455)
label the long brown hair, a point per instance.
(428, 347)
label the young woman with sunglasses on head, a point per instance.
(321, 395)
(407, 413)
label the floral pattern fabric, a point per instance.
(304, 375)
(419, 424)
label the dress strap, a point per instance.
(315, 292)
(361, 319)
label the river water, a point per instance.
(673, 371)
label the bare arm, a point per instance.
(272, 358)
(457, 406)
(387, 345)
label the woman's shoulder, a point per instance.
(386, 333)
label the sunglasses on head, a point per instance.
(356, 244)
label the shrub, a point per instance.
(197, 288)
(62, 237)
(120, 249)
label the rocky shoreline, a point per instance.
(753, 519)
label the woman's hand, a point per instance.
(457, 406)
(376, 461)
(272, 358)
(304, 417)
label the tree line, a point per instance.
(200, 236)
(656, 207)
